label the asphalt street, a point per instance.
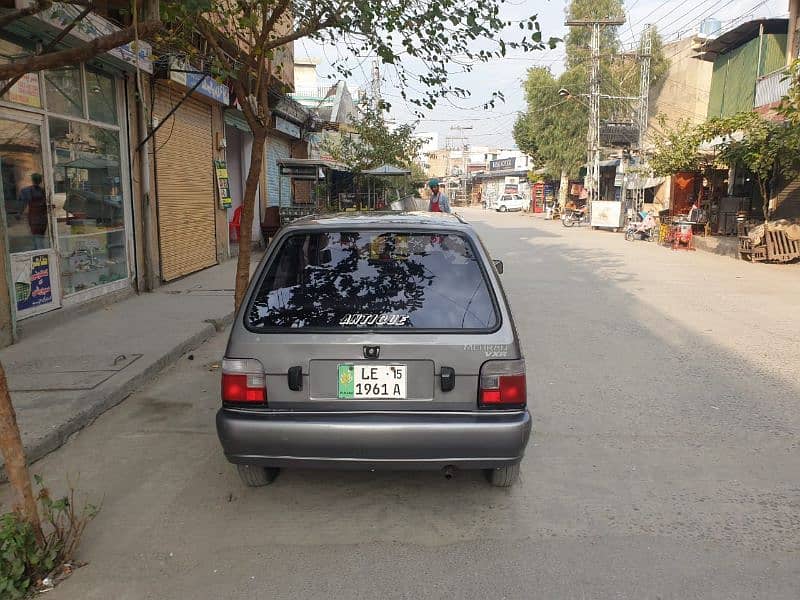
(665, 463)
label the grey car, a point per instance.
(375, 341)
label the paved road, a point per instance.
(664, 464)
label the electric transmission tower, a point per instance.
(593, 133)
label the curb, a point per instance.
(99, 402)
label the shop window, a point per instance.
(23, 189)
(88, 203)
(101, 92)
(64, 92)
(26, 90)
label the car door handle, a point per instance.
(295, 377)
(448, 379)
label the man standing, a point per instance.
(34, 203)
(438, 202)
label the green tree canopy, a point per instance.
(372, 143)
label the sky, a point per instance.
(493, 126)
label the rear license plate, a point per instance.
(359, 381)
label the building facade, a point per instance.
(93, 208)
(68, 202)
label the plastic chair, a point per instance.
(235, 226)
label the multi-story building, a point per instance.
(749, 73)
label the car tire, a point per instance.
(503, 476)
(255, 476)
(502, 209)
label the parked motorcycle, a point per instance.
(644, 230)
(574, 216)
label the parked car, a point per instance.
(375, 341)
(508, 202)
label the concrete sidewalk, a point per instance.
(64, 376)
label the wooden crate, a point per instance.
(780, 248)
(749, 252)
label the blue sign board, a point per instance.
(210, 87)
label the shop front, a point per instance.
(286, 131)
(238, 150)
(190, 205)
(65, 185)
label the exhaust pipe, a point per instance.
(449, 471)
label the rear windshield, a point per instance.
(374, 280)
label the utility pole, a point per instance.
(464, 146)
(646, 50)
(593, 134)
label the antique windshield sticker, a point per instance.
(374, 320)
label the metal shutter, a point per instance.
(276, 150)
(186, 196)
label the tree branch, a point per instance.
(82, 53)
(313, 27)
(269, 24)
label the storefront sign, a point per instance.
(287, 127)
(93, 26)
(180, 72)
(26, 91)
(223, 183)
(502, 164)
(210, 88)
(32, 281)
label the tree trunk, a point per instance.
(762, 186)
(14, 456)
(248, 210)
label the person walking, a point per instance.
(439, 201)
(34, 202)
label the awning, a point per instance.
(501, 174)
(235, 118)
(740, 35)
(387, 171)
(312, 162)
(643, 183)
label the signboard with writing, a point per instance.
(32, 284)
(223, 184)
(26, 91)
(93, 26)
(180, 72)
(502, 164)
(287, 127)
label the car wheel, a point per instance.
(503, 476)
(255, 476)
(503, 209)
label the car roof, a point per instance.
(363, 220)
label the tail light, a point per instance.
(502, 384)
(243, 381)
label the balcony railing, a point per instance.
(771, 88)
(317, 92)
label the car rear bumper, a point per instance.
(374, 440)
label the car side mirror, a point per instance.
(498, 264)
